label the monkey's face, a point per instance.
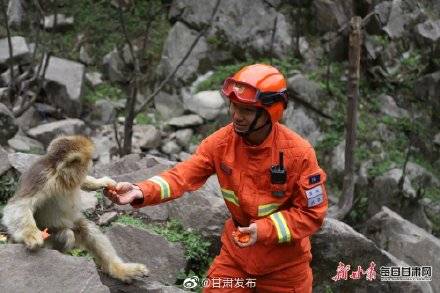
(71, 153)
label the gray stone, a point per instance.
(21, 161)
(428, 86)
(85, 55)
(8, 124)
(107, 218)
(332, 14)
(176, 46)
(207, 104)
(65, 83)
(16, 13)
(45, 133)
(104, 112)
(63, 22)
(305, 90)
(168, 105)
(88, 200)
(183, 136)
(185, 121)
(297, 120)
(390, 108)
(6, 76)
(4, 162)
(114, 67)
(24, 144)
(337, 242)
(62, 273)
(437, 139)
(20, 51)
(429, 31)
(146, 137)
(164, 259)
(401, 15)
(171, 147)
(405, 241)
(94, 78)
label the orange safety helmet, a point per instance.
(259, 85)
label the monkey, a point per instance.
(48, 196)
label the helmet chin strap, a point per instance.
(252, 126)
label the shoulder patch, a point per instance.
(314, 179)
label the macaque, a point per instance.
(48, 196)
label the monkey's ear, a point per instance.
(71, 161)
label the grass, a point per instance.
(79, 253)
(8, 185)
(103, 91)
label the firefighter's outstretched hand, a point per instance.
(123, 193)
(246, 236)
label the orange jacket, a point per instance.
(286, 214)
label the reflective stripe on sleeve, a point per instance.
(165, 191)
(267, 209)
(281, 227)
(230, 196)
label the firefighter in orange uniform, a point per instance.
(270, 181)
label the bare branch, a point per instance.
(149, 99)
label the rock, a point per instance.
(94, 78)
(114, 67)
(65, 83)
(20, 51)
(185, 121)
(104, 112)
(8, 124)
(428, 86)
(244, 27)
(305, 90)
(437, 139)
(4, 162)
(156, 213)
(382, 12)
(85, 55)
(297, 120)
(175, 48)
(88, 200)
(61, 23)
(107, 218)
(207, 104)
(168, 105)
(45, 133)
(6, 76)
(16, 13)
(390, 108)
(401, 15)
(171, 147)
(21, 161)
(61, 273)
(139, 286)
(146, 137)
(164, 259)
(24, 144)
(332, 14)
(337, 242)
(385, 192)
(183, 156)
(405, 241)
(428, 32)
(183, 136)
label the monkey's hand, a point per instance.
(33, 238)
(92, 184)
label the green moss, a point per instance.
(79, 253)
(103, 91)
(131, 221)
(143, 119)
(8, 185)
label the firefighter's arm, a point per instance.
(308, 211)
(185, 176)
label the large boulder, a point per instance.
(8, 124)
(114, 67)
(16, 13)
(405, 241)
(296, 118)
(45, 133)
(24, 144)
(245, 27)
(21, 161)
(385, 192)
(337, 242)
(332, 14)
(146, 137)
(390, 108)
(164, 259)
(402, 15)
(185, 121)
(46, 271)
(58, 22)
(168, 104)
(65, 84)
(428, 32)
(207, 104)
(20, 51)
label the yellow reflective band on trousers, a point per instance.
(281, 227)
(165, 190)
(267, 209)
(229, 195)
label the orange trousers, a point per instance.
(226, 276)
